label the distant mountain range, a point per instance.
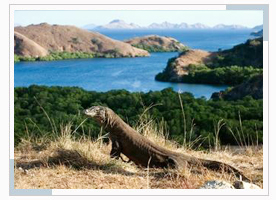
(257, 28)
(89, 26)
(120, 24)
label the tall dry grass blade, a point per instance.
(103, 137)
(191, 130)
(44, 111)
(234, 136)
(242, 133)
(36, 126)
(257, 136)
(148, 179)
(197, 141)
(146, 109)
(79, 126)
(240, 137)
(27, 130)
(184, 121)
(220, 124)
(55, 127)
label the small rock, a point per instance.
(217, 185)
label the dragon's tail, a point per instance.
(184, 160)
(216, 166)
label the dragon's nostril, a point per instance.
(85, 111)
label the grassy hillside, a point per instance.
(231, 67)
(252, 87)
(201, 74)
(248, 54)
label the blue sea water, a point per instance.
(209, 40)
(132, 74)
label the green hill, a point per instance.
(231, 67)
(248, 54)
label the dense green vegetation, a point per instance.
(230, 67)
(247, 54)
(18, 58)
(252, 87)
(159, 48)
(232, 75)
(65, 104)
(67, 55)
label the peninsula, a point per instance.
(51, 42)
(230, 67)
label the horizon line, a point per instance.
(141, 27)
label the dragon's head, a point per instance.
(99, 113)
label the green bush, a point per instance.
(16, 58)
(159, 48)
(232, 75)
(68, 55)
(201, 74)
(248, 54)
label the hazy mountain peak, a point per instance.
(199, 26)
(257, 28)
(117, 21)
(89, 26)
(233, 26)
(121, 24)
(118, 24)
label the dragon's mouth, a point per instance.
(90, 113)
(96, 112)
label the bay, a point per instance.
(132, 74)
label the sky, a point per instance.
(142, 18)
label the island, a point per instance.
(156, 43)
(57, 42)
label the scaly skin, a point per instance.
(143, 152)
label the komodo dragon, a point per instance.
(144, 152)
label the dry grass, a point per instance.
(67, 163)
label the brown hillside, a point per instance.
(191, 57)
(71, 39)
(157, 43)
(178, 67)
(23, 46)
